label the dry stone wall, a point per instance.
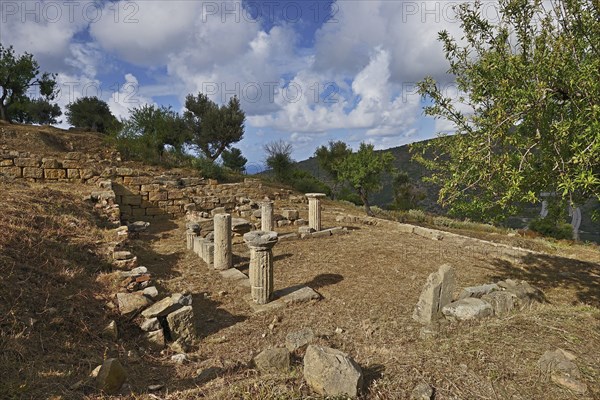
(140, 194)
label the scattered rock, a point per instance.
(503, 302)
(155, 388)
(562, 370)
(122, 255)
(131, 303)
(331, 372)
(208, 374)
(240, 226)
(138, 226)
(179, 358)
(151, 324)
(527, 294)
(291, 215)
(273, 360)
(305, 230)
(134, 272)
(299, 339)
(150, 292)
(478, 291)
(181, 324)
(126, 264)
(436, 294)
(179, 346)
(165, 306)
(422, 391)
(155, 339)
(469, 308)
(111, 376)
(110, 331)
(300, 222)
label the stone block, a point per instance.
(299, 339)
(151, 187)
(131, 303)
(436, 294)
(71, 164)
(124, 171)
(292, 215)
(73, 174)
(158, 196)
(50, 163)
(11, 172)
(181, 324)
(26, 162)
(466, 309)
(87, 173)
(55, 173)
(33, 172)
(132, 200)
(502, 302)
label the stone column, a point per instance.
(314, 210)
(222, 252)
(261, 264)
(192, 231)
(266, 216)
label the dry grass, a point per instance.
(370, 280)
(50, 314)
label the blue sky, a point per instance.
(307, 72)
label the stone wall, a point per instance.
(140, 194)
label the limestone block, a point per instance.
(33, 172)
(436, 294)
(55, 173)
(331, 372)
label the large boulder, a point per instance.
(436, 293)
(502, 302)
(469, 308)
(331, 372)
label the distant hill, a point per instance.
(590, 230)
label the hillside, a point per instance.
(590, 230)
(76, 260)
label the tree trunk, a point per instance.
(365, 199)
(3, 113)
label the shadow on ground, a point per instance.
(546, 271)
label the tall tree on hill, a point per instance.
(234, 160)
(17, 75)
(364, 171)
(532, 86)
(91, 113)
(330, 156)
(214, 128)
(147, 132)
(34, 111)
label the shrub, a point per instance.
(552, 228)
(210, 169)
(304, 182)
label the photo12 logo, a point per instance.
(71, 11)
(271, 11)
(255, 92)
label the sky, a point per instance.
(306, 72)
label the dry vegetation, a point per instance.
(54, 303)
